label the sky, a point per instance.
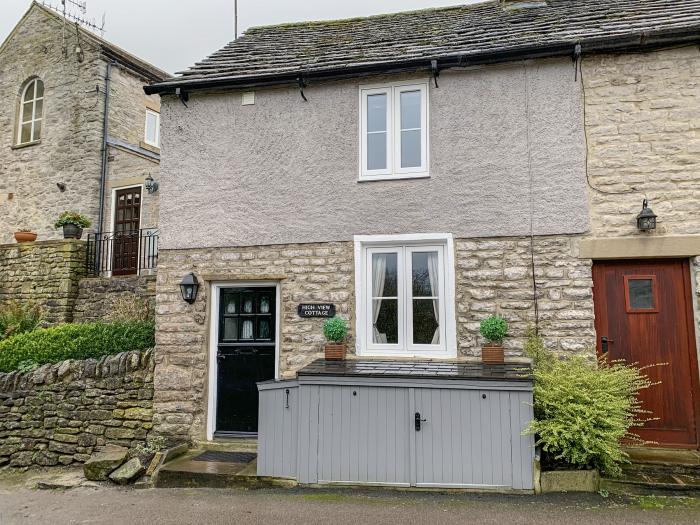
(174, 34)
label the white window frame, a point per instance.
(34, 119)
(394, 170)
(155, 144)
(365, 246)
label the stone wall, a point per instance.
(70, 148)
(495, 276)
(45, 272)
(643, 122)
(642, 116)
(58, 414)
(492, 276)
(97, 294)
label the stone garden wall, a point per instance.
(46, 272)
(58, 414)
(97, 294)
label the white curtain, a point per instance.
(247, 330)
(378, 278)
(433, 275)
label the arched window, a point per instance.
(31, 112)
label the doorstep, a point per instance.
(215, 468)
(663, 456)
(224, 462)
(657, 471)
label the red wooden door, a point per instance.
(127, 221)
(644, 309)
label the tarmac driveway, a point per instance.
(111, 505)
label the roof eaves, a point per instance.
(636, 41)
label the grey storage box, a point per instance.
(421, 424)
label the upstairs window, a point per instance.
(152, 128)
(394, 134)
(31, 112)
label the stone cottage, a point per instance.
(78, 133)
(420, 171)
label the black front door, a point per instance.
(246, 355)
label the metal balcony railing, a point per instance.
(122, 253)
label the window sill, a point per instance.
(149, 147)
(438, 354)
(26, 144)
(398, 176)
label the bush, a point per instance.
(74, 341)
(494, 329)
(18, 317)
(129, 308)
(74, 218)
(335, 330)
(584, 408)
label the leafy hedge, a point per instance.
(584, 409)
(74, 341)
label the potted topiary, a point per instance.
(335, 330)
(23, 235)
(72, 223)
(494, 328)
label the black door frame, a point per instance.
(213, 369)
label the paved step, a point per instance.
(654, 478)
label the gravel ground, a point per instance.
(112, 505)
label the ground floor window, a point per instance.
(404, 296)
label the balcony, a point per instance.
(111, 254)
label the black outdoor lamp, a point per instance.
(151, 185)
(189, 288)
(646, 220)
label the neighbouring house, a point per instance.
(420, 171)
(78, 133)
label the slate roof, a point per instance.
(467, 31)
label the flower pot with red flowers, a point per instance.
(494, 329)
(72, 223)
(25, 236)
(335, 330)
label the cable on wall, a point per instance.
(535, 299)
(578, 67)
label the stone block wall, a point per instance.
(495, 276)
(308, 273)
(492, 276)
(58, 414)
(97, 294)
(70, 148)
(642, 117)
(45, 272)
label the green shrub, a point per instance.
(584, 408)
(74, 218)
(335, 330)
(74, 341)
(18, 317)
(494, 328)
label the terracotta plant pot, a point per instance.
(492, 354)
(25, 236)
(71, 231)
(335, 351)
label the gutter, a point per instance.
(636, 42)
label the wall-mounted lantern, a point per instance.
(646, 220)
(151, 185)
(189, 288)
